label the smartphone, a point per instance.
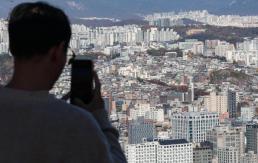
(82, 79)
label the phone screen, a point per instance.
(82, 80)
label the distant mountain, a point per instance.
(107, 23)
(191, 22)
(133, 8)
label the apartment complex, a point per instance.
(160, 151)
(228, 155)
(193, 126)
(216, 102)
(228, 142)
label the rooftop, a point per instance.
(194, 114)
(170, 142)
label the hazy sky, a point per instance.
(130, 8)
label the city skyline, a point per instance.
(179, 87)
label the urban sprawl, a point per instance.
(173, 99)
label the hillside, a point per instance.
(227, 75)
(229, 34)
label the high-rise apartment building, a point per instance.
(249, 157)
(174, 151)
(223, 47)
(222, 102)
(232, 104)
(140, 129)
(247, 113)
(228, 155)
(155, 114)
(223, 137)
(140, 153)
(252, 137)
(108, 36)
(216, 102)
(193, 126)
(160, 151)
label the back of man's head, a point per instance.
(36, 27)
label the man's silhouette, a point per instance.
(34, 125)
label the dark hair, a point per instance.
(36, 27)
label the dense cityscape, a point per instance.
(172, 18)
(172, 99)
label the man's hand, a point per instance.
(97, 101)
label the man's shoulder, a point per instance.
(78, 121)
(67, 110)
(42, 105)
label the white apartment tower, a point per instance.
(160, 151)
(193, 126)
(247, 113)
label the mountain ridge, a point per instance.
(133, 8)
